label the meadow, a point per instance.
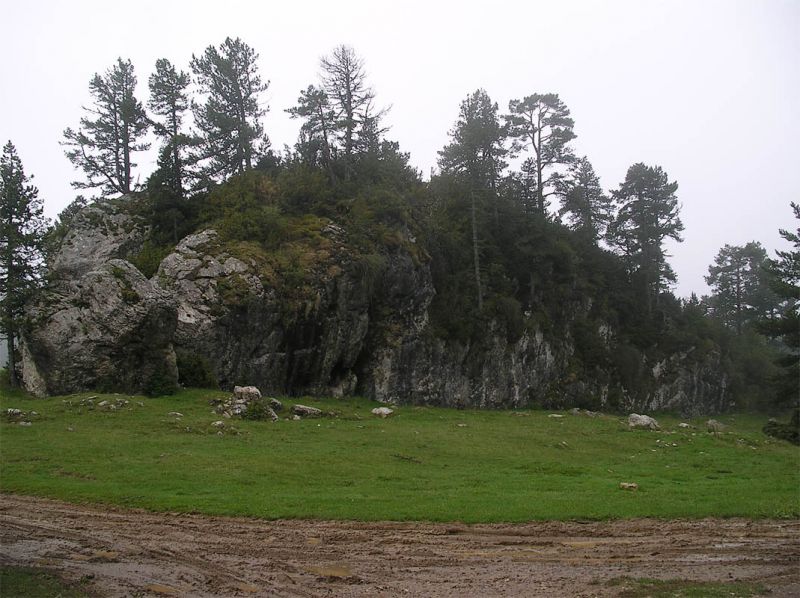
(422, 463)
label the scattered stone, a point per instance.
(218, 424)
(555, 415)
(715, 427)
(102, 403)
(246, 393)
(275, 404)
(296, 418)
(305, 411)
(24, 423)
(628, 486)
(684, 425)
(642, 421)
(461, 425)
(13, 412)
(383, 412)
(175, 414)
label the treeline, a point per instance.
(517, 227)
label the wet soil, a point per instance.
(138, 553)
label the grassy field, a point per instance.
(420, 464)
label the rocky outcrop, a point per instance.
(109, 330)
(99, 232)
(327, 319)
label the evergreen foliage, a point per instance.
(542, 124)
(741, 292)
(103, 146)
(22, 234)
(587, 206)
(169, 100)
(648, 215)
(786, 326)
(229, 119)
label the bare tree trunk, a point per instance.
(12, 364)
(475, 251)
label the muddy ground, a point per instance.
(136, 553)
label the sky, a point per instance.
(706, 89)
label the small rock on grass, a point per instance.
(382, 412)
(642, 421)
(555, 415)
(305, 411)
(628, 486)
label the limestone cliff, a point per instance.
(329, 319)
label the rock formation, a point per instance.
(342, 322)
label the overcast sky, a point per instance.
(708, 90)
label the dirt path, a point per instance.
(135, 553)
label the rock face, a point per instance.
(109, 330)
(100, 232)
(329, 321)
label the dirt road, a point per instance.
(136, 553)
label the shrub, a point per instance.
(195, 371)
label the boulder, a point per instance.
(246, 393)
(111, 330)
(275, 404)
(382, 412)
(642, 421)
(305, 411)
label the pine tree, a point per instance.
(542, 124)
(169, 100)
(585, 203)
(476, 155)
(786, 327)
(648, 215)
(103, 146)
(740, 289)
(22, 233)
(229, 120)
(319, 121)
(357, 123)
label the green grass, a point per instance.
(30, 582)
(678, 588)
(421, 464)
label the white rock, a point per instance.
(642, 421)
(218, 424)
(683, 425)
(246, 393)
(555, 415)
(175, 414)
(628, 486)
(382, 411)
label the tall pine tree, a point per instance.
(104, 145)
(230, 118)
(541, 123)
(22, 232)
(648, 215)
